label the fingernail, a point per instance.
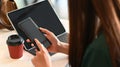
(40, 27)
(35, 39)
(45, 34)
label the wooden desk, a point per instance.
(58, 60)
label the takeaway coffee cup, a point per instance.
(15, 46)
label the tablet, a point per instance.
(42, 14)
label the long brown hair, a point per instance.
(84, 16)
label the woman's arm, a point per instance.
(63, 48)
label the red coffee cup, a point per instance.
(15, 46)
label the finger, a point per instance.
(40, 46)
(36, 50)
(45, 31)
(51, 37)
(28, 40)
(32, 45)
(47, 36)
(49, 50)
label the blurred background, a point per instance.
(59, 6)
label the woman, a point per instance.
(94, 35)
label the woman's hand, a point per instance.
(42, 58)
(55, 43)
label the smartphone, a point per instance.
(31, 30)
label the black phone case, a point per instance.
(31, 30)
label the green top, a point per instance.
(97, 54)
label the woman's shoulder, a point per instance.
(99, 43)
(97, 54)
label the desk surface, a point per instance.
(58, 60)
